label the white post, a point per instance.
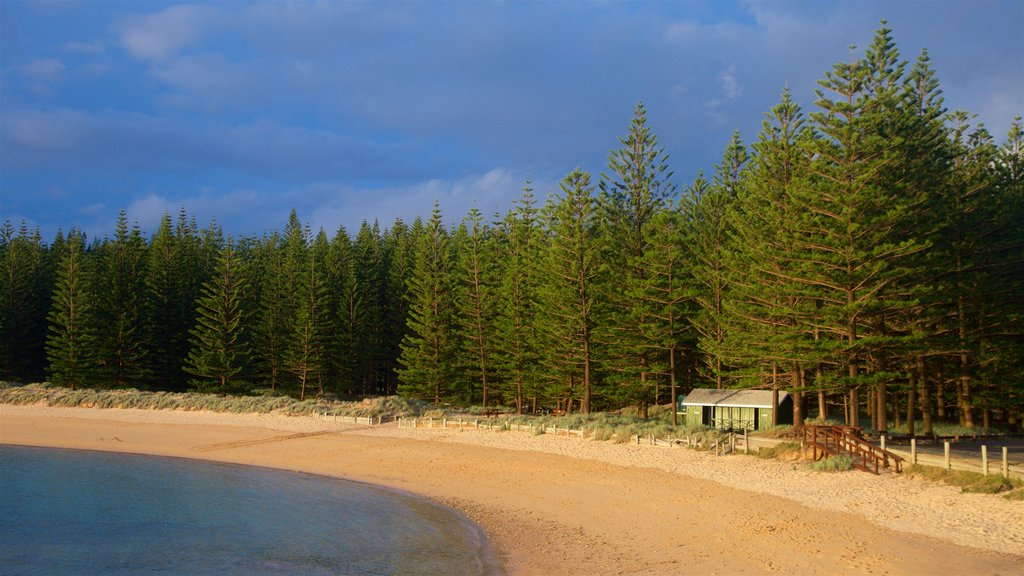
(913, 450)
(946, 451)
(883, 441)
(746, 444)
(1006, 463)
(984, 460)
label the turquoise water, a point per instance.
(78, 512)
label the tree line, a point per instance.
(867, 257)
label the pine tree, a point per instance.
(631, 196)
(219, 352)
(567, 296)
(475, 304)
(858, 256)
(369, 282)
(338, 347)
(399, 242)
(428, 354)
(70, 346)
(305, 352)
(123, 340)
(769, 332)
(516, 348)
(666, 299)
(25, 284)
(707, 210)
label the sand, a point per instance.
(566, 506)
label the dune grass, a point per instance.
(968, 481)
(841, 463)
(48, 395)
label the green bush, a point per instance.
(49, 395)
(969, 481)
(841, 463)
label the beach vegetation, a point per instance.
(970, 481)
(781, 451)
(388, 407)
(840, 463)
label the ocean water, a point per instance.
(93, 513)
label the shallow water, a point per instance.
(79, 512)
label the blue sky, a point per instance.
(352, 111)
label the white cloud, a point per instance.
(491, 192)
(91, 48)
(43, 70)
(729, 84)
(160, 35)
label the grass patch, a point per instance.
(841, 463)
(968, 481)
(624, 434)
(1017, 494)
(781, 451)
(44, 394)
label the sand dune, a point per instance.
(564, 506)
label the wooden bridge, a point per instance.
(839, 440)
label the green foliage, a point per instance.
(428, 357)
(968, 481)
(841, 463)
(566, 318)
(219, 351)
(70, 346)
(782, 450)
(389, 407)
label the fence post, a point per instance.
(913, 450)
(984, 460)
(1006, 463)
(946, 452)
(883, 441)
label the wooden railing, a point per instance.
(839, 440)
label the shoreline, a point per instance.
(556, 505)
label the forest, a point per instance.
(866, 256)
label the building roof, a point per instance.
(733, 398)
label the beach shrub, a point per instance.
(968, 481)
(624, 434)
(841, 463)
(781, 451)
(388, 408)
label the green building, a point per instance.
(733, 409)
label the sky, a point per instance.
(361, 111)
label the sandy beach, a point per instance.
(566, 506)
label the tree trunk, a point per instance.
(881, 398)
(923, 398)
(897, 415)
(775, 405)
(853, 415)
(775, 394)
(798, 398)
(672, 383)
(911, 403)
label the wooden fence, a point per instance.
(721, 446)
(998, 461)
